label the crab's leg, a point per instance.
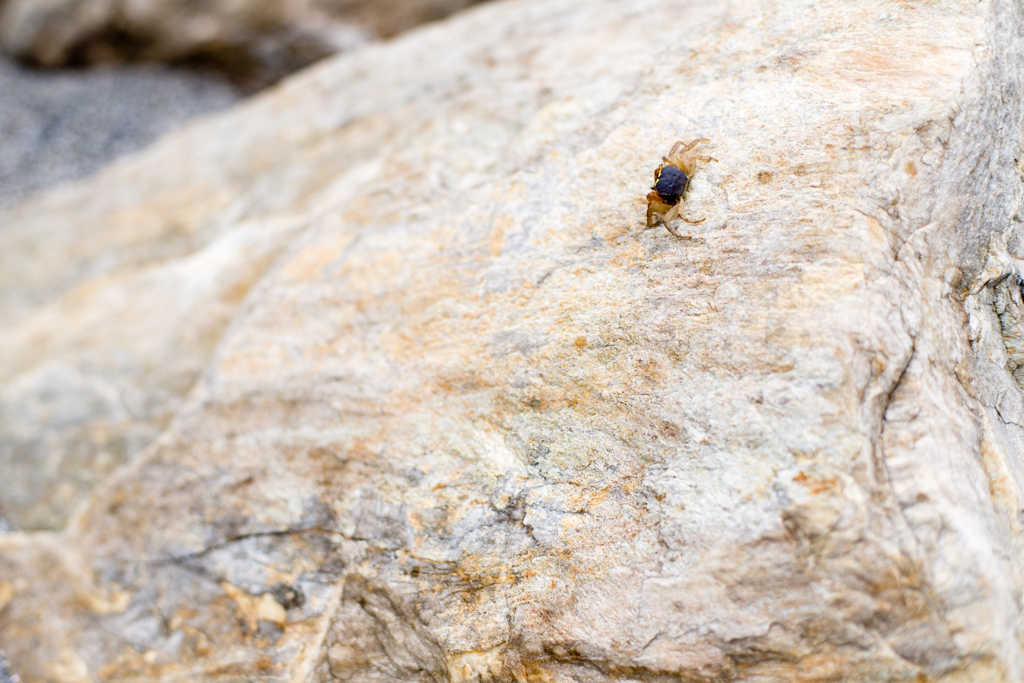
(693, 144)
(674, 232)
(686, 161)
(655, 205)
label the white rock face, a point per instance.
(474, 423)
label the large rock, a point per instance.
(475, 423)
(257, 41)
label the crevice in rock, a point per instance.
(379, 636)
(1009, 308)
(882, 474)
(183, 559)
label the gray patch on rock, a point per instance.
(6, 676)
(504, 343)
(59, 126)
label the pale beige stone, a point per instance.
(253, 609)
(476, 423)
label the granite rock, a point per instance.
(427, 402)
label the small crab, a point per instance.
(670, 182)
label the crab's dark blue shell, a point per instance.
(671, 183)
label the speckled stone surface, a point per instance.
(429, 403)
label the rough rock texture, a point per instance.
(475, 424)
(258, 41)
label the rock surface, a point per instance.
(258, 41)
(459, 417)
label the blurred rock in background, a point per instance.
(58, 126)
(161, 62)
(255, 41)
